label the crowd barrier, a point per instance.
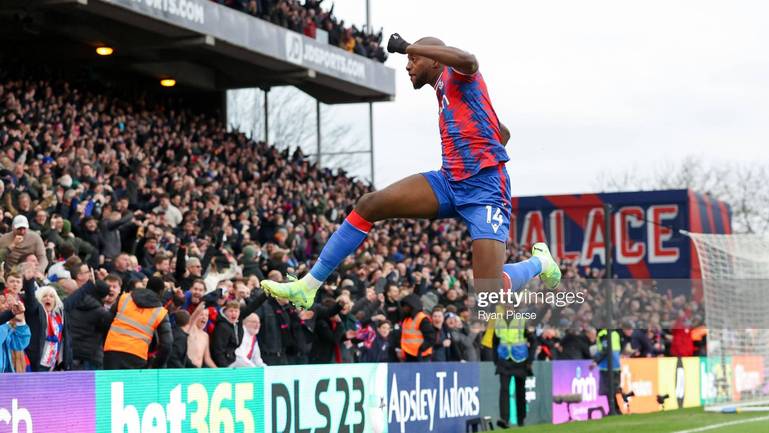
(349, 398)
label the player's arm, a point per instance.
(455, 58)
(459, 60)
(505, 133)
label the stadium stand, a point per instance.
(125, 187)
(307, 18)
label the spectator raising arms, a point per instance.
(89, 322)
(198, 342)
(14, 334)
(228, 333)
(50, 346)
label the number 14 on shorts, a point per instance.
(494, 217)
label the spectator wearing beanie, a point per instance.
(228, 333)
(81, 247)
(416, 334)
(250, 261)
(89, 323)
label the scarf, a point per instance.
(251, 350)
(366, 335)
(337, 349)
(52, 340)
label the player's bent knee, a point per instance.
(367, 206)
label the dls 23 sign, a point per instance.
(347, 398)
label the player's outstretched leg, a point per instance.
(411, 197)
(541, 263)
(342, 243)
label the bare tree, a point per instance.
(245, 109)
(744, 186)
(292, 123)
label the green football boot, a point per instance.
(551, 272)
(295, 291)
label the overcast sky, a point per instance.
(585, 86)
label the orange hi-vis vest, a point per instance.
(133, 327)
(411, 336)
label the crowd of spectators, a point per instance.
(103, 195)
(653, 320)
(308, 17)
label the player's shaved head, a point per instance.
(429, 40)
(423, 70)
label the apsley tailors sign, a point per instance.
(434, 397)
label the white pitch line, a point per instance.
(725, 424)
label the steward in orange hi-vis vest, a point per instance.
(411, 337)
(139, 315)
(417, 333)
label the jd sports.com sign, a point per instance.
(294, 47)
(312, 54)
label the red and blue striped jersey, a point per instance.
(469, 126)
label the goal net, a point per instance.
(735, 282)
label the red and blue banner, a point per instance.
(645, 234)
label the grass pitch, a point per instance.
(692, 420)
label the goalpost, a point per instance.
(735, 281)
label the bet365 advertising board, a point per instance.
(341, 398)
(346, 398)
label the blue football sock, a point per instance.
(522, 272)
(341, 244)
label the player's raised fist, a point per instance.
(397, 44)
